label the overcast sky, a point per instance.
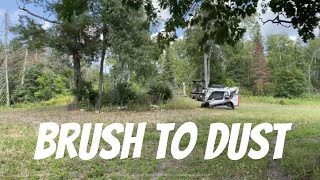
(11, 7)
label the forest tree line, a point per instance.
(104, 53)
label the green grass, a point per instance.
(181, 103)
(308, 100)
(56, 101)
(301, 160)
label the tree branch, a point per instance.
(35, 15)
(277, 20)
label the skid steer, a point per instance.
(221, 97)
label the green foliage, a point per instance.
(134, 57)
(88, 93)
(160, 92)
(230, 83)
(50, 85)
(181, 103)
(220, 21)
(56, 101)
(26, 92)
(126, 95)
(40, 84)
(305, 99)
(290, 83)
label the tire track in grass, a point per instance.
(274, 171)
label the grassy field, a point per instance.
(19, 129)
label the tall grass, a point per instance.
(304, 100)
(181, 103)
(56, 101)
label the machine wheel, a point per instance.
(205, 105)
(230, 106)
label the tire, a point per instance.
(230, 106)
(201, 97)
(205, 105)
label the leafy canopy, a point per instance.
(221, 19)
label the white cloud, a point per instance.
(162, 14)
(271, 28)
(46, 25)
(162, 17)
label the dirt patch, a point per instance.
(274, 171)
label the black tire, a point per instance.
(205, 105)
(230, 106)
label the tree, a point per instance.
(225, 16)
(290, 83)
(206, 57)
(69, 33)
(312, 58)
(78, 26)
(260, 73)
(238, 63)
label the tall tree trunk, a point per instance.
(205, 63)
(101, 79)
(309, 75)
(209, 68)
(122, 69)
(77, 77)
(6, 29)
(128, 74)
(24, 67)
(7, 80)
(36, 59)
(114, 83)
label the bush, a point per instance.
(126, 93)
(88, 95)
(290, 83)
(123, 95)
(230, 83)
(40, 84)
(160, 92)
(56, 101)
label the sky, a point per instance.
(12, 8)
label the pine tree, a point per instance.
(260, 72)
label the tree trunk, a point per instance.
(309, 75)
(128, 74)
(101, 79)
(7, 80)
(205, 63)
(122, 72)
(36, 60)
(24, 67)
(77, 77)
(114, 83)
(6, 29)
(209, 68)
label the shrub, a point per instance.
(122, 95)
(40, 85)
(126, 93)
(230, 83)
(160, 92)
(289, 83)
